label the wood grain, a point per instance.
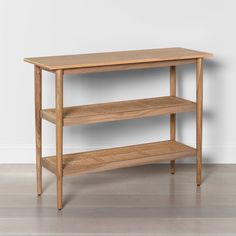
(38, 126)
(131, 66)
(172, 116)
(120, 157)
(114, 158)
(120, 110)
(59, 135)
(115, 58)
(199, 95)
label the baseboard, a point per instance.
(225, 154)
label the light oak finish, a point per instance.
(59, 135)
(115, 58)
(133, 66)
(115, 158)
(172, 116)
(38, 126)
(199, 95)
(122, 110)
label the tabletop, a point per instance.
(115, 58)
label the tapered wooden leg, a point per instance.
(199, 95)
(172, 116)
(59, 135)
(38, 127)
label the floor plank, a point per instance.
(144, 200)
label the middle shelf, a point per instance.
(123, 110)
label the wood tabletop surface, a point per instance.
(115, 58)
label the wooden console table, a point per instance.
(100, 160)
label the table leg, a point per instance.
(59, 135)
(199, 95)
(172, 116)
(38, 126)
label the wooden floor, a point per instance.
(144, 200)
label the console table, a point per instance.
(113, 158)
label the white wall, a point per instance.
(50, 27)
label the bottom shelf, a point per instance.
(114, 158)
